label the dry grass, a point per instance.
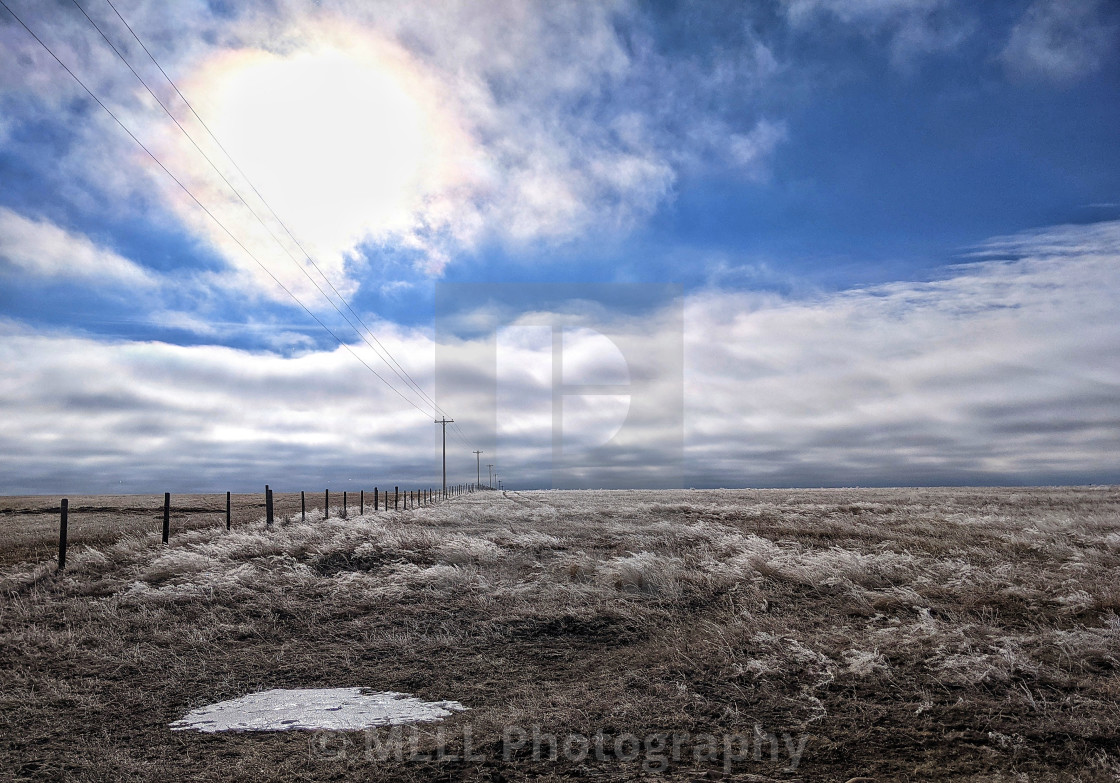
(943, 634)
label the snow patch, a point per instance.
(340, 709)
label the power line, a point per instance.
(202, 206)
(380, 350)
(401, 372)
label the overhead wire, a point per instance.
(379, 349)
(202, 206)
(268, 206)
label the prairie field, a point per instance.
(940, 634)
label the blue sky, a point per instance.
(914, 169)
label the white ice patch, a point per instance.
(341, 709)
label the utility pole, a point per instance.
(490, 470)
(477, 468)
(444, 421)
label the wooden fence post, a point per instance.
(362, 503)
(375, 494)
(267, 505)
(396, 499)
(166, 516)
(62, 522)
(302, 506)
(326, 504)
(229, 519)
(344, 504)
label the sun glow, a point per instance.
(348, 138)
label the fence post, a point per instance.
(396, 498)
(302, 506)
(62, 521)
(326, 504)
(267, 506)
(166, 516)
(375, 494)
(362, 503)
(229, 518)
(344, 504)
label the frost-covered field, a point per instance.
(942, 634)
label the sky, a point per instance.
(773, 243)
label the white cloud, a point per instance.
(914, 27)
(1005, 371)
(1059, 41)
(512, 122)
(752, 150)
(856, 11)
(86, 413)
(42, 249)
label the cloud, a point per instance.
(753, 149)
(1059, 41)
(42, 249)
(429, 130)
(1006, 371)
(914, 28)
(93, 415)
(1003, 371)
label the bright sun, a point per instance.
(343, 140)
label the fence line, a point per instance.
(413, 499)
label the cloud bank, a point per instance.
(1005, 371)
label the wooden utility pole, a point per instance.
(477, 468)
(444, 421)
